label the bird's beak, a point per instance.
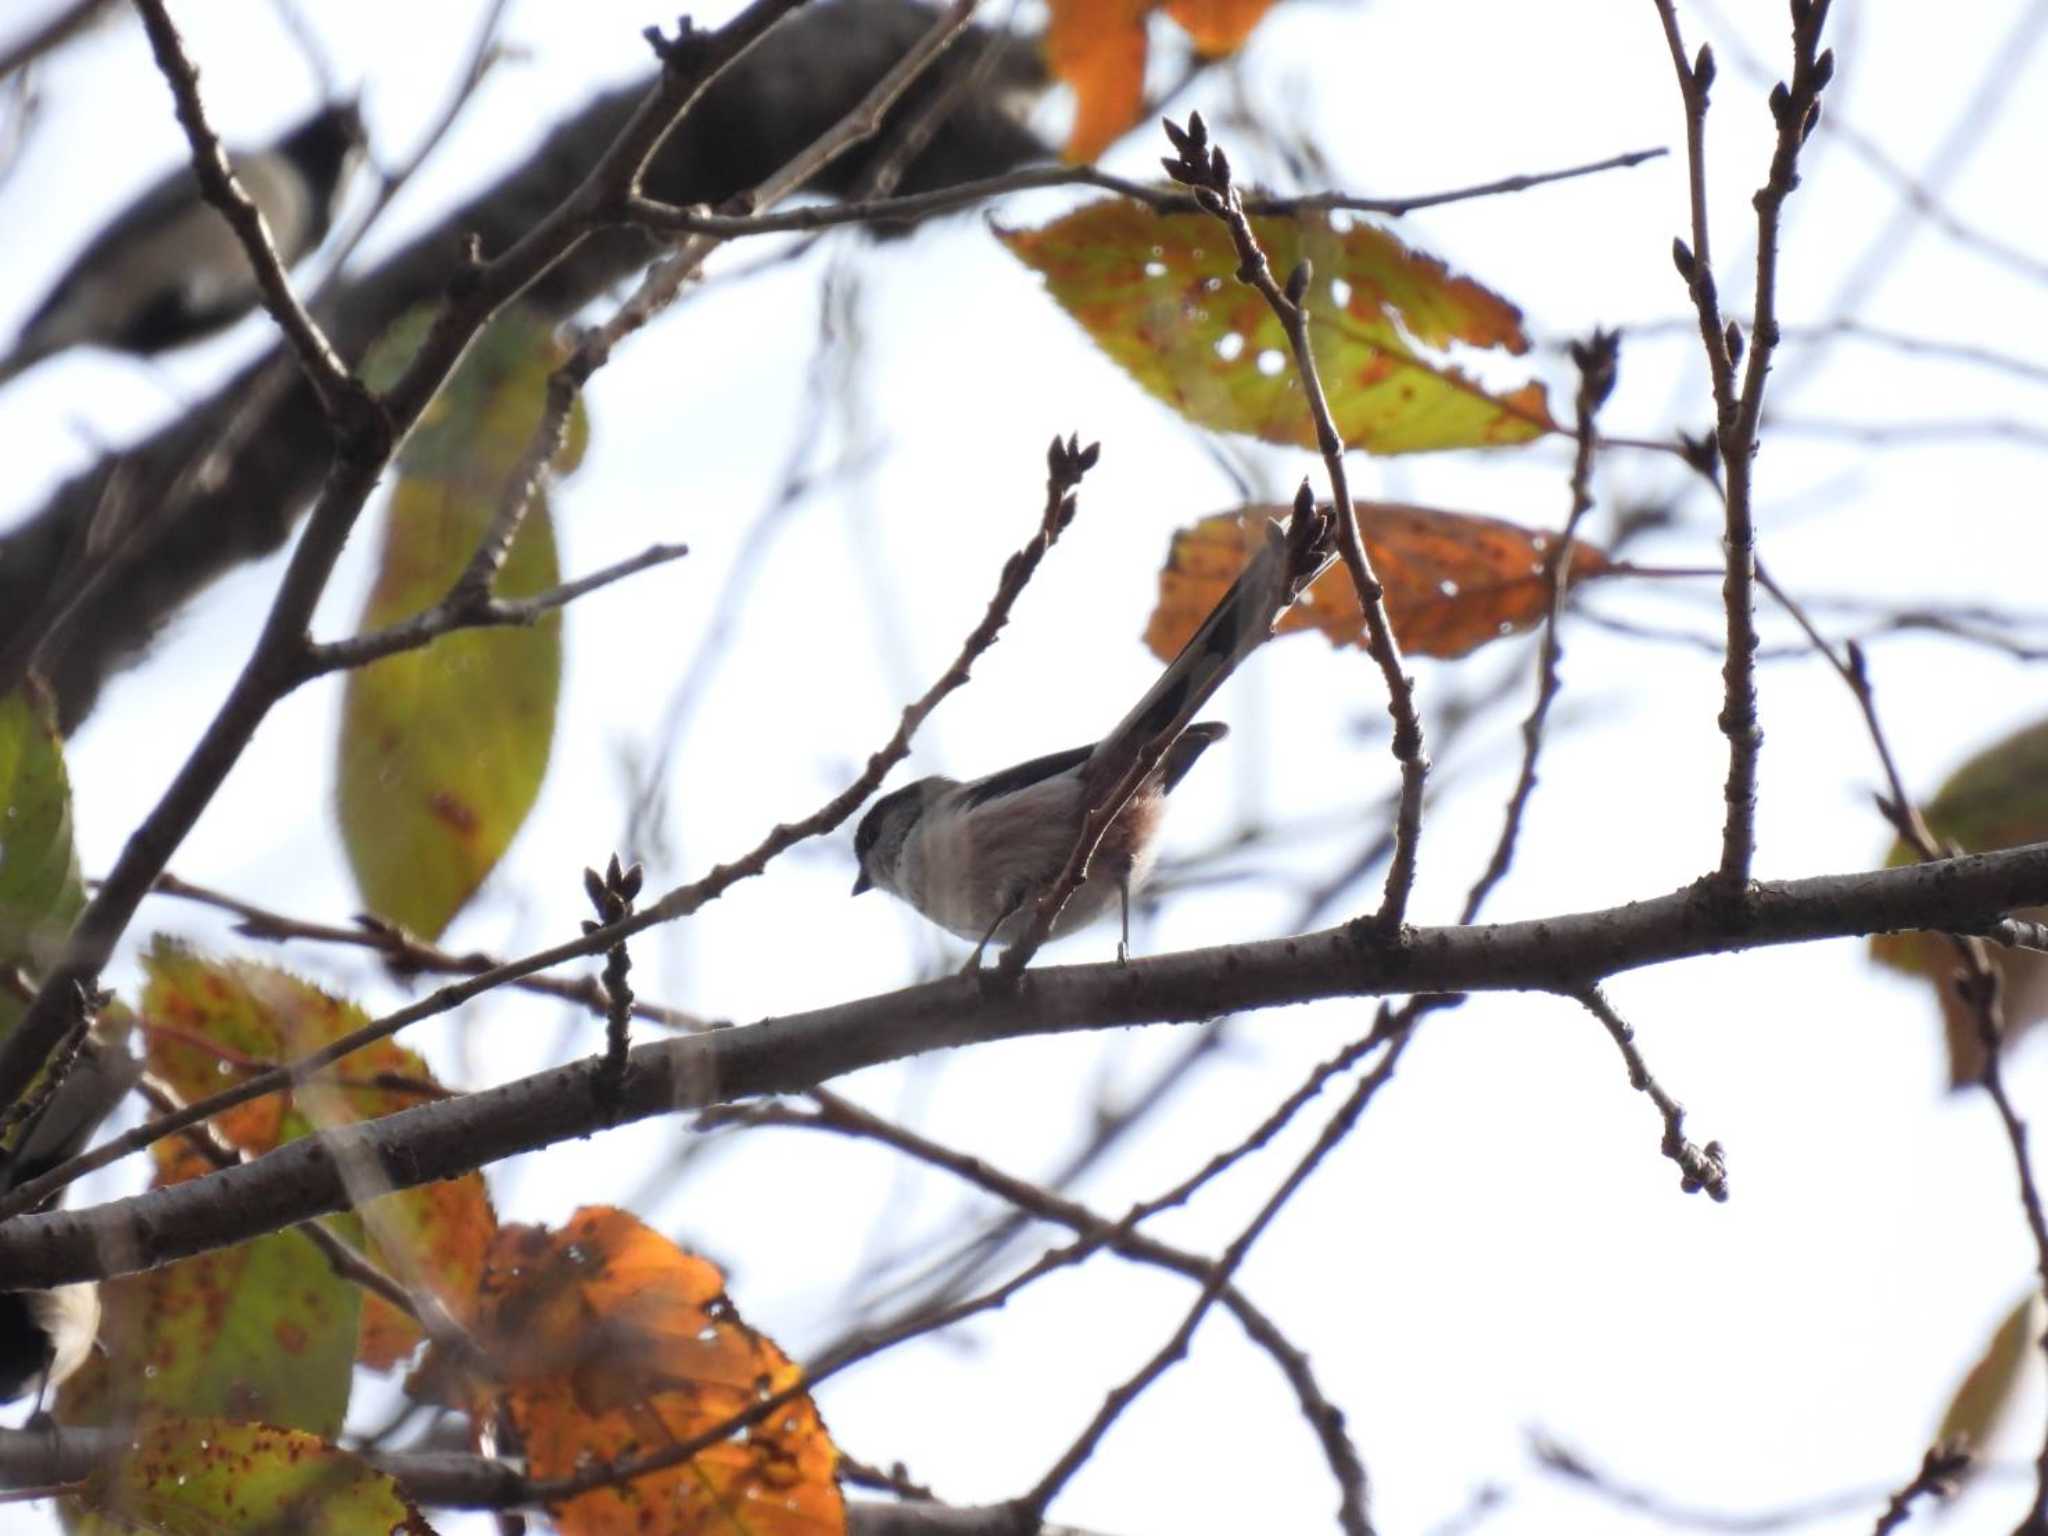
(862, 883)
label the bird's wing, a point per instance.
(1022, 776)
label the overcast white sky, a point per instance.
(1499, 1246)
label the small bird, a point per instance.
(168, 269)
(973, 857)
(47, 1335)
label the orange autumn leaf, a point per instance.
(1453, 580)
(1098, 47)
(609, 1342)
(1217, 26)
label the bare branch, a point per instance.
(341, 397)
(1597, 360)
(1699, 1168)
(669, 219)
(1207, 171)
(466, 606)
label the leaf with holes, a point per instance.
(1158, 295)
(609, 1341)
(1098, 47)
(1998, 799)
(443, 749)
(1453, 580)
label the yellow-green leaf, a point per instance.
(209, 1476)
(1991, 1384)
(1998, 799)
(40, 889)
(1159, 296)
(443, 749)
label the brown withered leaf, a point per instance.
(610, 1342)
(1453, 580)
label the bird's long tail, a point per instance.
(1238, 625)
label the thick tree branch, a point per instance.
(799, 1051)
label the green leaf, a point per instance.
(40, 889)
(209, 1476)
(443, 749)
(1158, 294)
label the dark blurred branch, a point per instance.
(241, 465)
(52, 34)
(362, 433)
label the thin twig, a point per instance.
(1905, 434)
(365, 440)
(1597, 359)
(407, 956)
(665, 280)
(1977, 982)
(1909, 344)
(1738, 413)
(1940, 1470)
(1206, 170)
(1562, 1461)
(1067, 461)
(669, 219)
(468, 606)
(1175, 1348)
(1699, 1168)
(484, 54)
(845, 1118)
(341, 397)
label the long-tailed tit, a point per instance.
(167, 269)
(46, 1335)
(974, 857)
